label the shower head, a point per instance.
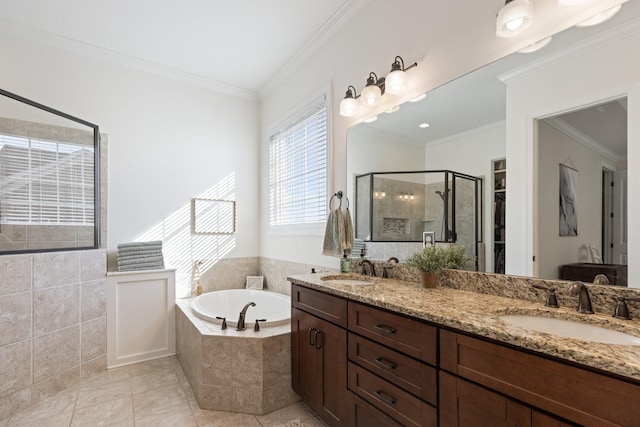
(439, 193)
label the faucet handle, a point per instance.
(621, 310)
(224, 322)
(552, 300)
(256, 328)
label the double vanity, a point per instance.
(479, 350)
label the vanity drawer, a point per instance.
(408, 336)
(328, 307)
(409, 374)
(393, 401)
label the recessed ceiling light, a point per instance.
(418, 98)
(424, 125)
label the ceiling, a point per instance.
(478, 99)
(233, 46)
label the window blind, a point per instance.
(45, 182)
(298, 170)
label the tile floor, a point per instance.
(154, 393)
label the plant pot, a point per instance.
(429, 279)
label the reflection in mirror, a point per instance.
(48, 178)
(467, 132)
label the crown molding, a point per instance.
(86, 49)
(330, 28)
(603, 39)
(583, 139)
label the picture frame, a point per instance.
(428, 239)
(254, 282)
(213, 216)
(568, 208)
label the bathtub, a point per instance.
(274, 307)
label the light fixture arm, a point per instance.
(398, 64)
(351, 92)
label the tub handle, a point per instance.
(256, 328)
(224, 322)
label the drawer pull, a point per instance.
(385, 329)
(312, 341)
(385, 363)
(318, 343)
(385, 397)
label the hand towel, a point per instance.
(332, 234)
(348, 233)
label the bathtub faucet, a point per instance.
(243, 313)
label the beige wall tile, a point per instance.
(55, 269)
(14, 402)
(56, 352)
(248, 354)
(16, 274)
(55, 308)
(64, 381)
(94, 339)
(15, 317)
(217, 360)
(93, 264)
(15, 369)
(93, 299)
(215, 397)
(247, 400)
(93, 367)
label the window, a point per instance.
(298, 170)
(45, 182)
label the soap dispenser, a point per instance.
(345, 263)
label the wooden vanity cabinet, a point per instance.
(389, 356)
(543, 385)
(318, 354)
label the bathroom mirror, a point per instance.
(49, 181)
(466, 132)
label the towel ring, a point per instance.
(339, 196)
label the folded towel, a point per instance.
(151, 244)
(154, 252)
(142, 267)
(135, 261)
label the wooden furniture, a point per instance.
(318, 354)
(586, 272)
(374, 367)
(391, 365)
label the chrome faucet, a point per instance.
(584, 302)
(372, 269)
(243, 313)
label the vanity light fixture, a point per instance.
(394, 83)
(349, 105)
(536, 46)
(600, 17)
(571, 2)
(515, 17)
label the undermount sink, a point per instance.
(571, 329)
(339, 280)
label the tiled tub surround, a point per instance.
(52, 324)
(478, 312)
(247, 372)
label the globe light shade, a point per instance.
(396, 82)
(348, 107)
(571, 2)
(515, 17)
(370, 95)
(600, 17)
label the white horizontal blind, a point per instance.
(298, 170)
(45, 182)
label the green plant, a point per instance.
(436, 258)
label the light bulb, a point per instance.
(514, 24)
(515, 17)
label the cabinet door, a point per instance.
(319, 364)
(463, 404)
(538, 419)
(365, 415)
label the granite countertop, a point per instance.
(479, 314)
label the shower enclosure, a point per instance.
(401, 206)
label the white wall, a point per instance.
(555, 147)
(418, 31)
(610, 70)
(168, 142)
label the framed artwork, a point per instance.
(568, 201)
(428, 239)
(210, 216)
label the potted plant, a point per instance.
(435, 258)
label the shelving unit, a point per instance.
(499, 206)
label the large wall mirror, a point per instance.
(462, 126)
(49, 178)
